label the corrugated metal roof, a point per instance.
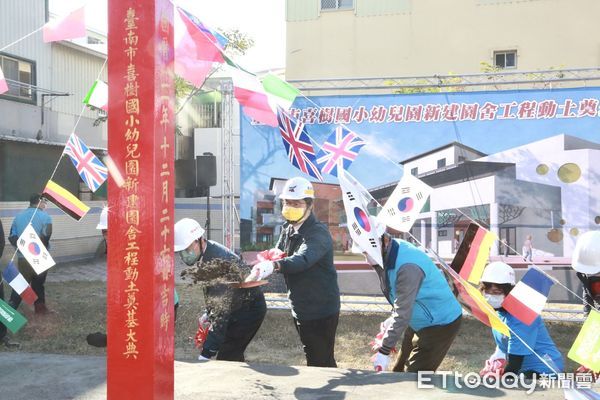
(41, 142)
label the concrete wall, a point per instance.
(427, 37)
(78, 240)
(366, 282)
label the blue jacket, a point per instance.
(434, 303)
(42, 225)
(537, 338)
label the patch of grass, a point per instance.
(81, 310)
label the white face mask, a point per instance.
(495, 300)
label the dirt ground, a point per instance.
(80, 310)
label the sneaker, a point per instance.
(97, 339)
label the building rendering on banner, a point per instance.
(545, 189)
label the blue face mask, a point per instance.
(190, 257)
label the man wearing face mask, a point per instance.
(232, 326)
(424, 308)
(309, 273)
(513, 354)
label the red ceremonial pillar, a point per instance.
(140, 307)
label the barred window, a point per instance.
(20, 77)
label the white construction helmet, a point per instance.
(103, 222)
(186, 231)
(498, 272)
(586, 257)
(297, 188)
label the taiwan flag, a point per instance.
(34, 251)
(362, 226)
(528, 298)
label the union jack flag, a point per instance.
(340, 149)
(91, 170)
(298, 145)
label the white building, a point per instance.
(547, 189)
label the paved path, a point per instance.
(60, 377)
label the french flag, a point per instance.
(528, 297)
(18, 283)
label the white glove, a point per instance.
(380, 362)
(260, 271)
(202, 358)
(203, 320)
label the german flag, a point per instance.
(64, 200)
(472, 300)
(473, 253)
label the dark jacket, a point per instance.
(308, 270)
(2, 239)
(586, 281)
(224, 303)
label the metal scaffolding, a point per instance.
(497, 80)
(227, 165)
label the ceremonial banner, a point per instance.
(518, 163)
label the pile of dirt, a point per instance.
(214, 272)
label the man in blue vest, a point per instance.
(423, 307)
(42, 224)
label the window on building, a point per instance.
(461, 159)
(20, 76)
(414, 171)
(505, 59)
(441, 163)
(94, 40)
(337, 4)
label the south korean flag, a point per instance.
(34, 251)
(404, 205)
(361, 225)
